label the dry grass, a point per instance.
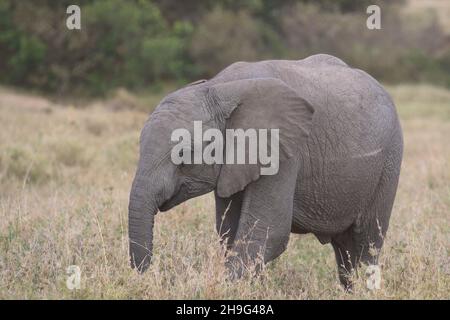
(65, 175)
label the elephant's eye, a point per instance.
(180, 154)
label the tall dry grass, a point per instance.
(65, 174)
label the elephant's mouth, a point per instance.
(174, 200)
(167, 206)
(184, 192)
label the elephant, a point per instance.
(341, 150)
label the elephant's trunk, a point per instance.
(141, 215)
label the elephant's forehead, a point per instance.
(159, 129)
(180, 105)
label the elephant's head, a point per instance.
(160, 184)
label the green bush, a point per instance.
(121, 43)
(133, 45)
(22, 53)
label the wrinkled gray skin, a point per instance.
(341, 150)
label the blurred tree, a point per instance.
(137, 43)
(401, 50)
(120, 44)
(21, 54)
(223, 37)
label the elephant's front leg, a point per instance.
(265, 221)
(228, 211)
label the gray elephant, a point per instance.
(341, 150)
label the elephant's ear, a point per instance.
(264, 103)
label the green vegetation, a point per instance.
(142, 44)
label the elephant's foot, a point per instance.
(373, 274)
(372, 277)
(346, 278)
(237, 268)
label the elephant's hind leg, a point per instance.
(353, 249)
(346, 257)
(370, 229)
(363, 241)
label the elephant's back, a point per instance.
(338, 93)
(353, 114)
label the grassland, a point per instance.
(65, 174)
